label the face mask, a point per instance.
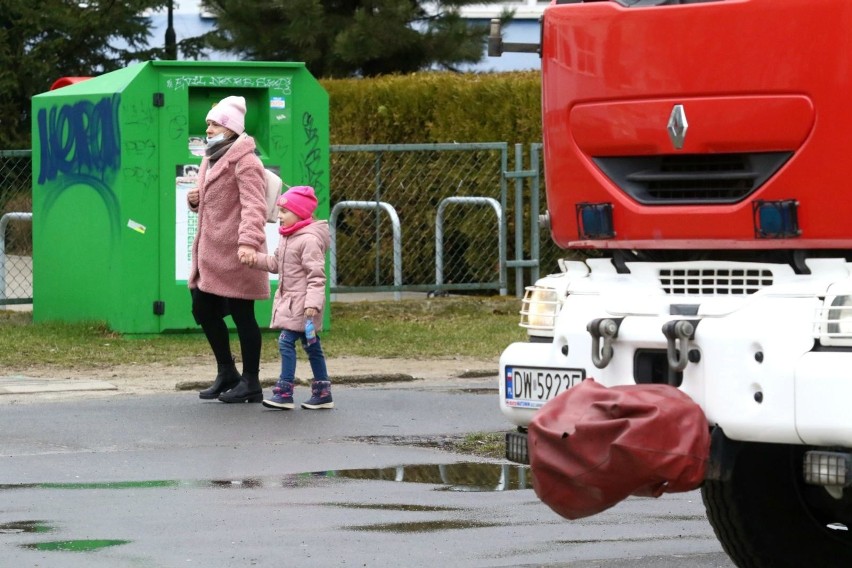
(216, 139)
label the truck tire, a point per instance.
(766, 516)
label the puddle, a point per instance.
(700, 518)
(464, 476)
(393, 507)
(74, 545)
(111, 485)
(650, 538)
(249, 483)
(25, 527)
(423, 526)
(102, 485)
(18, 527)
(454, 477)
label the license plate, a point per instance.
(531, 387)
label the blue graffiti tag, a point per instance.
(81, 138)
(80, 144)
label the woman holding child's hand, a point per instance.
(230, 200)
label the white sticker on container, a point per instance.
(138, 227)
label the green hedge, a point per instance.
(426, 108)
(439, 107)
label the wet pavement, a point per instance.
(168, 480)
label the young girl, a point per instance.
(299, 261)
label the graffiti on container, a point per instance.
(80, 144)
(178, 127)
(138, 114)
(279, 146)
(144, 177)
(313, 158)
(282, 85)
(143, 148)
(80, 139)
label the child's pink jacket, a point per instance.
(299, 261)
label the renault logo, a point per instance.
(677, 126)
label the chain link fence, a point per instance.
(16, 248)
(428, 218)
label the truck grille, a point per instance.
(714, 281)
(693, 179)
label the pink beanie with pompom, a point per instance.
(300, 199)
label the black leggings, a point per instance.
(209, 310)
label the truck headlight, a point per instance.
(539, 308)
(836, 321)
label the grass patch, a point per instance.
(482, 444)
(479, 327)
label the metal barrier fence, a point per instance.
(407, 217)
(416, 181)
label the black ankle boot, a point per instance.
(226, 379)
(248, 390)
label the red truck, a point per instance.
(697, 150)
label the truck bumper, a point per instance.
(756, 372)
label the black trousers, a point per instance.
(210, 310)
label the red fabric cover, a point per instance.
(593, 446)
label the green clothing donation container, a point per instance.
(113, 159)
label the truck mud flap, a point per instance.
(516, 447)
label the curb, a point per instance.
(18, 384)
(354, 379)
(365, 379)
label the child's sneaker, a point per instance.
(282, 396)
(320, 396)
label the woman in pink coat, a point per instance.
(299, 261)
(230, 200)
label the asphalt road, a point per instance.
(168, 480)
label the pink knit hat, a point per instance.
(299, 199)
(230, 112)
